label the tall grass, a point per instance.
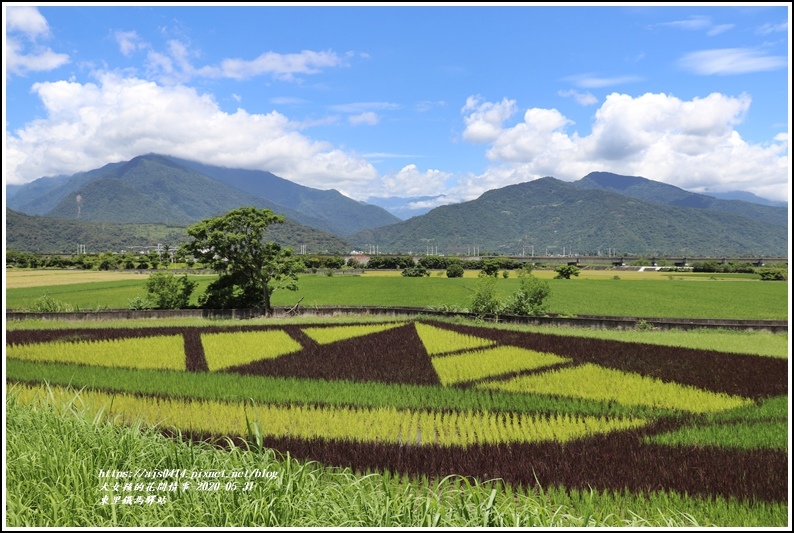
(58, 486)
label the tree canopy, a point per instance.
(249, 269)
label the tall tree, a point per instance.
(249, 268)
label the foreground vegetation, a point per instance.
(428, 423)
(58, 487)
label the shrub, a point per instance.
(415, 272)
(455, 270)
(485, 301)
(48, 304)
(566, 271)
(167, 291)
(772, 274)
(530, 299)
(139, 304)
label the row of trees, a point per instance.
(102, 261)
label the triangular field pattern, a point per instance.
(395, 355)
(328, 335)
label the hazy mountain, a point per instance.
(747, 197)
(41, 234)
(551, 215)
(654, 191)
(12, 190)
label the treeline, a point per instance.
(439, 262)
(102, 261)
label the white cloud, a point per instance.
(693, 23)
(591, 81)
(698, 23)
(28, 21)
(772, 28)
(362, 107)
(409, 181)
(689, 144)
(369, 118)
(20, 58)
(581, 98)
(528, 140)
(426, 105)
(89, 125)
(128, 42)
(721, 28)
(287, 100)
(282, 66)
(730, 61)
(175, 64)
(484, 119)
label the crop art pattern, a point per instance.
(435, 399)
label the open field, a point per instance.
(19, 278)
(401, 406)
(645, 295)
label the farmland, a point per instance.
(466, 424)
(642, 294)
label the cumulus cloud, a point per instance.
(23, 53)
(92, 124)
(410, 181)
(28, 21)
(728, 61)
(484, 119)
(690, 144)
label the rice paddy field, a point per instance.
(367, 423)
(641, 294)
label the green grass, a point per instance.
(59, 487)
(641, 298)
(94, 295)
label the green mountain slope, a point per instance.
(152, 189)
(342, 215)
(155, 188)
(555, 216)
(40, 234)
(654, 191)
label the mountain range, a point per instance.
(600, 212)
(550, 216)
(159, 189)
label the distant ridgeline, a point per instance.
(152, 199)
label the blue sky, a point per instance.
(406, 100)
